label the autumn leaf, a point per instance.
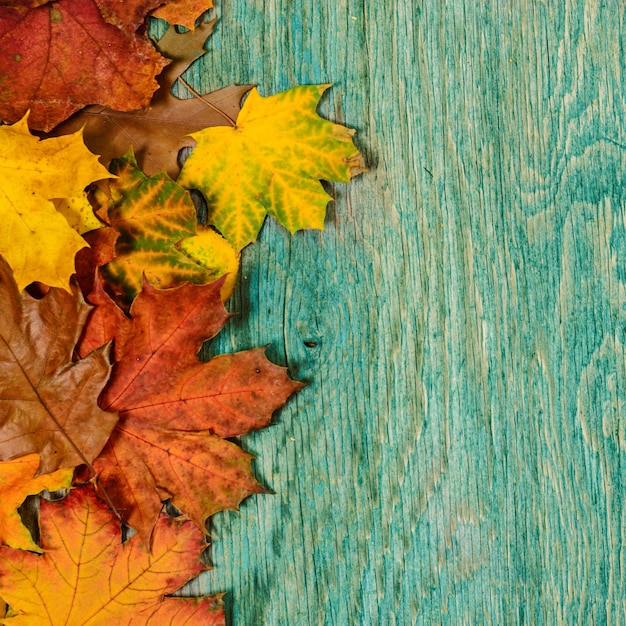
(211, 251)
(182, 12)
(130, 14)
(175, 410)
(157, 134)
(36, 239)
(78, 212)
(86, 575)
(156, 221)
(271, 162)
(59, 57)
(104, 322)
(18, 479)
(48, 405)
(206, 611)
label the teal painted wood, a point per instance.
(459, 455)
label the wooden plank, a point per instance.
(459, 454)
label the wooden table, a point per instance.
(460, 452)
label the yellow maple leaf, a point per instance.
(79, 213)
(17, 480)
(35, 238)
(271, 162)
(210, 250)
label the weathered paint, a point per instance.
(459, 454)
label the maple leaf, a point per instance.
(182, 12)
(156, 219)
(48, 405)
(104, 322)
(86, 575)
(17, 480)
(59, 57)
(271, 162)
(130, 14)
(78, 212)
(175, 410)
(36, 239)
(158, 133)
(207, 611)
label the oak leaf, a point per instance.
(64, 55)
(157, 133)
(271, 162)
(87, 576)
(158, 236)
(35, 238)
(18, 479)
(175, 410)
(48, 405)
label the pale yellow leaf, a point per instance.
(209, 249)
(35, 238)
(79, 213)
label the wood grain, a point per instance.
(459, 456)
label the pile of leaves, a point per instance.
(109, 285)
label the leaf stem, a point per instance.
(227, 117)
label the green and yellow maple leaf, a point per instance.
(159, 236)
(35, 238)
(271, 162)
(17, 480)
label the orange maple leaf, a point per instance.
(182, 12)
(87, 576)
(17, 480)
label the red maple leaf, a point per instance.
(175, 410)
(61, 56)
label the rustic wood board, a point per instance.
(459, 454)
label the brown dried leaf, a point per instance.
(48, 404)
(158, 133)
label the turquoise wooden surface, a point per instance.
(459, 455)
